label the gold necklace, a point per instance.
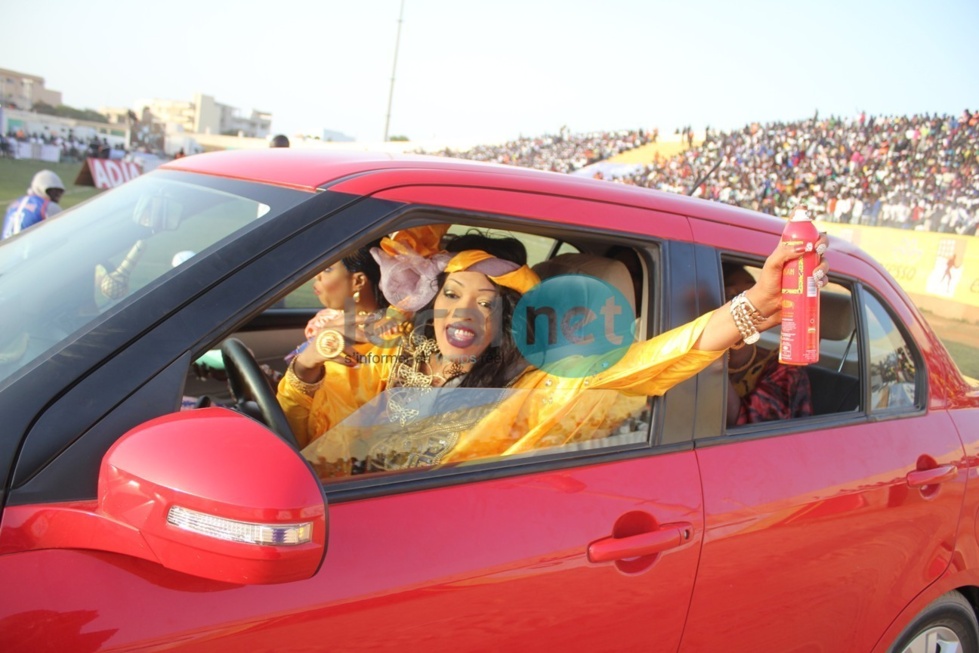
(417, 351)
(448, 372)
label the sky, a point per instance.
(486, 72)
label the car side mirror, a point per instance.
(208, 492)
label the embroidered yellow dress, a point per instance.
(344, 390)
(539, 409)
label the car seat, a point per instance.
(634, 428)
(835, 390)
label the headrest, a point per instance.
(608, 270)
(835, 316)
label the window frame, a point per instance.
(921, 377)
(654, 255)
(844, 285)
(865, 412)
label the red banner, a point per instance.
(106, 173)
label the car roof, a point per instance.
(366, 172)
(317, 169)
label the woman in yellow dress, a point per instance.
(349, 290)
(463, 339)
(318, 391)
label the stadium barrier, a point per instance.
(939, 271)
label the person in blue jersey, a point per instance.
(40, 203)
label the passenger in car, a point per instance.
(349, 290)
(350, 286)
(460, 346)
(760, 389)
(316, 394)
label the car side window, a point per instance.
(893, 372)
(301, 297)
(761, 389)
(538, 248)
(557, 404)
(835, 379)
(853, 353)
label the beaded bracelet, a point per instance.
(756, 316)
(744, 319)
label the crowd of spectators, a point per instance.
(910, 172)
(72, 148)
(564, 152)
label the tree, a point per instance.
(64, 111)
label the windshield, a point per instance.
(61, 275)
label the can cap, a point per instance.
(801, 214)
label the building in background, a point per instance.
(204, 115)
(23, 91)
(158, 127)
(165, 112)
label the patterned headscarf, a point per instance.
(410, 266)
(500, 271)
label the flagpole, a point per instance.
(397, 42)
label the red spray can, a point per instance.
(799, 344)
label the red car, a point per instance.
(131, 524)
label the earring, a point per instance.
(356, 297)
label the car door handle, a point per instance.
(665, 537)
(932, 476)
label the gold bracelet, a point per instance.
(293, 380)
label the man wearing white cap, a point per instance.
(40, 203)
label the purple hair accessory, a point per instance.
(494, 267)
(409, 281)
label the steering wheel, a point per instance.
(248, 382)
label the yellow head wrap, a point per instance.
(423, 240)
(500, 271)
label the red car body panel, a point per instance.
(821, 537)
(827, 519)
(418, 564)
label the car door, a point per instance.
(506, 555)
(573, 550)
(468, 565)
(820, 530)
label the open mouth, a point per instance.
(460, 336)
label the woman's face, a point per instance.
(464, 316)
(333, 286)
